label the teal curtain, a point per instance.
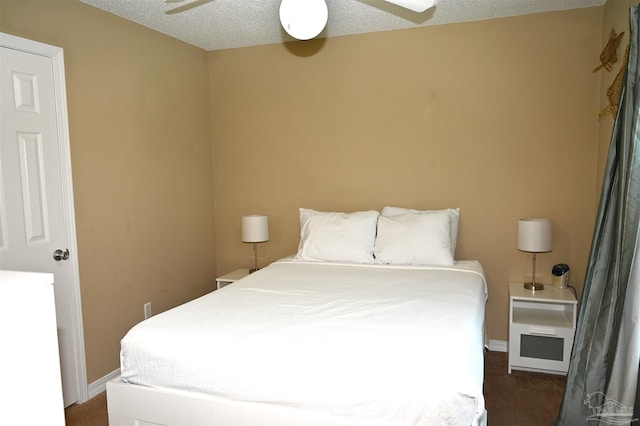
(602, 382)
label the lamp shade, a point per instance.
(255, 228)
(303, 19)
(534, 235)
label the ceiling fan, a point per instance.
(305, 19)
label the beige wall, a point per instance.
(141, 159)
(498, 118)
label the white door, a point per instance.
(36, 201)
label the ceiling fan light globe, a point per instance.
(303, 19)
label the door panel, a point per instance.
(34, 201)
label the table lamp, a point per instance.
(255, 229)
(534, 235)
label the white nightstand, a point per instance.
(542, 325)
(231, 277)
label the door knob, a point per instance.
(59, 255)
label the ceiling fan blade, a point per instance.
(186, 6)
(415, 5)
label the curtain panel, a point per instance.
(603, 373)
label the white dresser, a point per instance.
(31, 382)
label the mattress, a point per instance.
(398, 345)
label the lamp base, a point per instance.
(534, 286)
(252, 270)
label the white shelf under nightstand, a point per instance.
(542, 325)
(231, 277)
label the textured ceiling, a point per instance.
(223, 24)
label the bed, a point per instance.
(312, 339)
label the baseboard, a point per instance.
(100, 385)
(497, 345)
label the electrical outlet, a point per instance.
(147, 310)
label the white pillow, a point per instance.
(454, 217)
(337, 237)
(422, 238)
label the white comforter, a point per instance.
(398, 345)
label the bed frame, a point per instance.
(134, 405)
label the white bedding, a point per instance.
(401, 345)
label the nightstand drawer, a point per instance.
(540, 348)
